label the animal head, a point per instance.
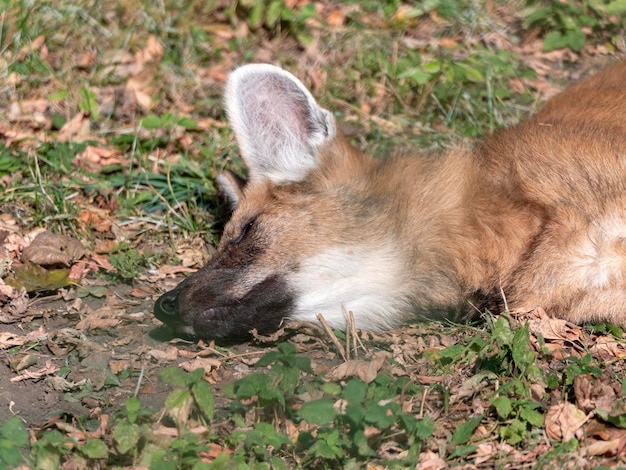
(307, 230)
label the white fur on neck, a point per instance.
(369, 281)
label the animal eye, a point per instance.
(245, 229)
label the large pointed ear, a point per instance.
(278, 124)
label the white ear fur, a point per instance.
(277, 122)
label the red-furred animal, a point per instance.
(536, 212)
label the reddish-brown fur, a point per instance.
(536, 212)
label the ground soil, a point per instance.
(88, 354)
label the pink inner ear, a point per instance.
(277, 108)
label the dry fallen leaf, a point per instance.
(600, 430)
(120, 64)
(36, 44)
(34, 112)
(141, 89)
(516, 85)
(365, 370)
(13, 244)
(594, 393)
(607, 348)
(76, 129)
(194, 253)
(142, 292)
(488, 450)
(140, 86)
(63, 385)
(562, 338)
(336, 17)
(169, 354)
(79, 270)
(214, 452)
(103, 318)
(553, 328)
(206, 363)
(96, 219)
(448, 43)
(152, 53)
(48, 369)
(98, 262)
(118, 366)
(94, 158)
(9, 340)
(430, 461)
(564, 421)
(13, 303)
(107, 247)
(608, 448)
(80, 435)
(51, 249)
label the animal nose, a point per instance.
(166, 306)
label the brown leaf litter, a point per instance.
(51, 249)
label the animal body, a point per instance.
(536, 212)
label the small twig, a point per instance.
(346, 315)
(351, 332)
(331, 335)
(40, 180)
(139, 380)
(423, 402)
(237, 356)
(356, 338)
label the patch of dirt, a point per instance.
(91, 338)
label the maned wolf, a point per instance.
(536, 212)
